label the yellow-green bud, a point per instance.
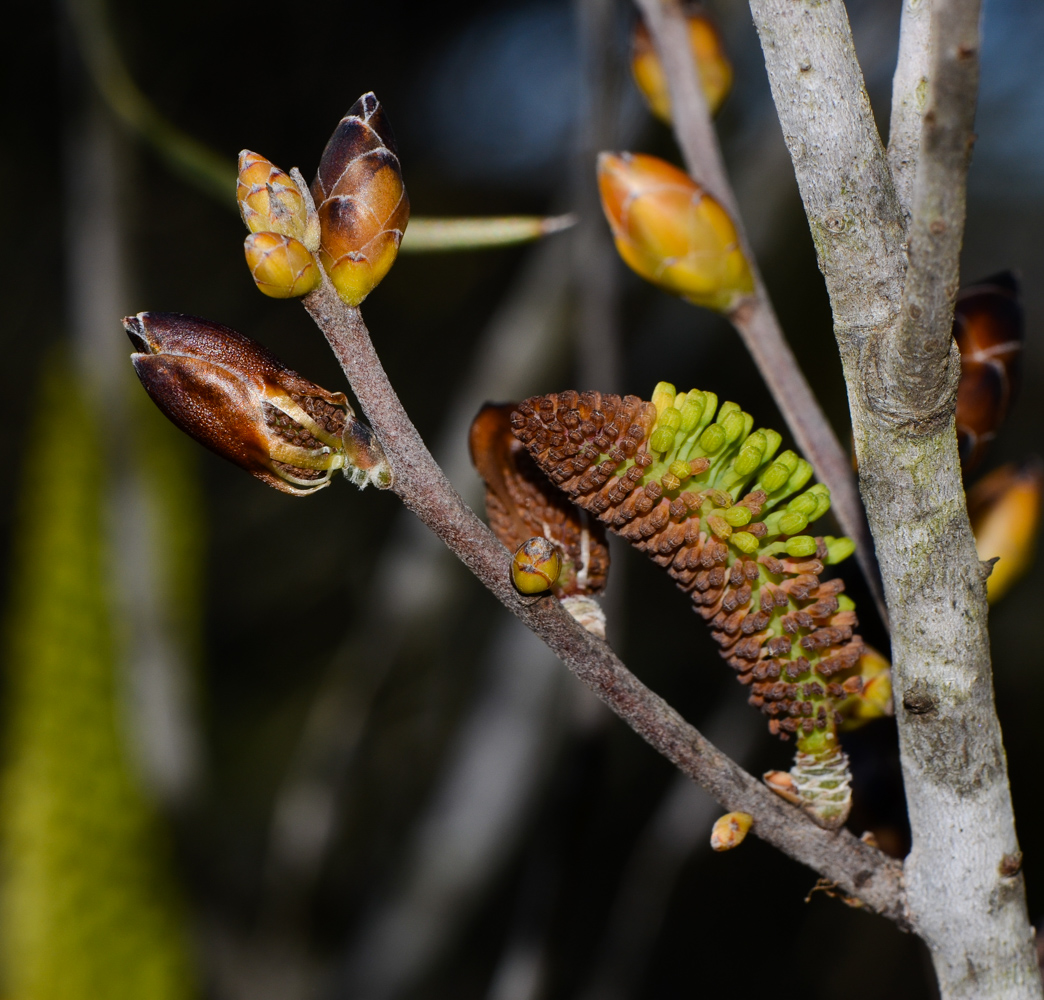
(845, 603)
(750, 454)
(661, 439)
(671, 418)
(738, 516)
(663, 396)
(680, 470)
(803, 504)
(773, 439)
(712, 439)
(801, 475)
(536, 566)
(744, 541)
(775, 477)
(800, 546)
(691, 411)
(792, 523)
(733, 425)
(719, 525)
(728, 407)
(838, 549)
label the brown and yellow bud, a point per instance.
(1004, 508)
(870, 692)
(361, 201)
(236, 399)
(281, 266)
(730, 830)
(671, 232)
(535, 566)
(269, 198)
(708, 50)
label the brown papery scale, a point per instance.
(988, 326)
(521, 503)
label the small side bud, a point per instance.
(708, 50)
(536, 566)
(236, 399)
(671, 232)
(269, 198)
(361, 201)
(281, 266)
(730, 830)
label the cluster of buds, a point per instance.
(350, 222)
(697, 488)
(708, 52)
(671, 232)
(558, 546)
(988, 327)
(236, 399)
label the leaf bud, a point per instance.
(708, 51)
(238, 400)
(361, 201)
(536, 566)
(800, 546)
(838, 549)
(269, 199)
(671, 232)
(281, 266)
(730, 830)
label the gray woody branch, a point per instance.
(755, 319)
(858, 869)
(892, 320)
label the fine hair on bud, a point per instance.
(235, 398)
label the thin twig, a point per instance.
(755, 319)
(909, 94)
(860, 870)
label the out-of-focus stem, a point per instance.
(859, 869)
(755, 319)
(434, 235)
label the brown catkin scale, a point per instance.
(521, 503)
(780, 627)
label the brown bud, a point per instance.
(235, 398)
(988, 328)
(281, 266)
(361, 200)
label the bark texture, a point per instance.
(893, 318)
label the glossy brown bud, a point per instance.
(238, 400)
(281, 266)
(988, 327)
(361, 201)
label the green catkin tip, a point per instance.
(661, 439)
(792, 523)
(712, 439)
(744, 540)
(663, 396)
(838, 549)
(737, 516)
(800, 546)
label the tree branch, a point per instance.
(755, 320)
(965, 894)
(909, 93)
(858, 869)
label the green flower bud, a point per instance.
(775, 477)
(845, 603)
(750, 454)
(691, 411)
(719, 525)
(803, 504)
(670, 417)
(800, 546)
(680, 469)
(773, 439)
(738, 516)
(744, 540)
(726, 408)
(801, 475)
(662, 439)
(733, 425)
(838, 549)
(712, 439)
(663, 396)
(792, 523)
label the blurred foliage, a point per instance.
(89, 906)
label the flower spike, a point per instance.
(361, 201)
(710, 498)
(708, 50)
(236, 399)
(671, 232)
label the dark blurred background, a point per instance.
(367, 780)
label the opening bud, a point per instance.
(536, 566)
(361, 201)
(238, 400)
(269, 198)
(709, 53)
(281, 266)
(671, 232)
